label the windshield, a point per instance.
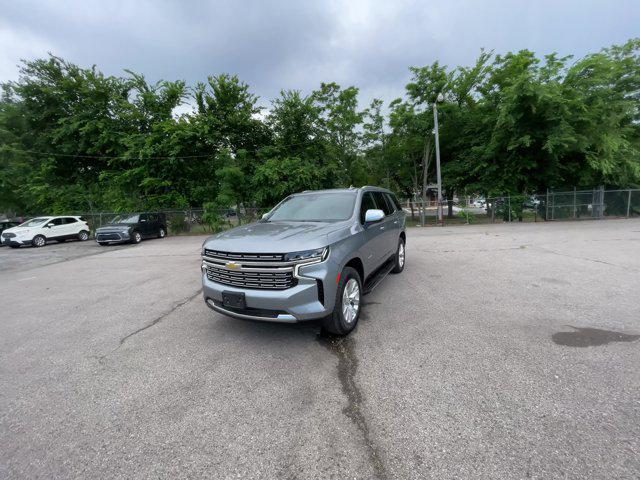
(125, 219)
(315, 207)
(34, 222)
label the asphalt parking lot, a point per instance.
(502, 351)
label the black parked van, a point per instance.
(132, 228)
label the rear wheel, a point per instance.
(83, 236)
(346, 311)
(162, 232)
(400, 257)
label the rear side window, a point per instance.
(68, 220)
(57, 221)
(382, 203)
(367, 204)
(153, 217)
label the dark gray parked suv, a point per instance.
(313, 256)
(132, 228)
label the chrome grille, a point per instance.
(254, 257)
(249, 270)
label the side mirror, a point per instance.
(49, 225)
(143, 220)
(373, 216)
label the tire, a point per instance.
(400, 257)
(344, 317)
(83, 236)
(162, 232)
(136, 237)
(38, 241)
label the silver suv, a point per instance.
(313, 256)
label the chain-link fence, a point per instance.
(187, 221)
(593, 204)
(568, 205)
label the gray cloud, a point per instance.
(297, 44)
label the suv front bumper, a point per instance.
(112, 236)
(307, 300)
(15, 242)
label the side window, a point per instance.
(392, 206)
(57, 221)
(153, 217)
(367, 204)
(382, 203)
(395, 201)
(143, 217)
(69, 220)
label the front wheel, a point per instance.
(399, 259)
(346, 311)
(38, 241)
(137, 237)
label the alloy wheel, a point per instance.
(401, 255)
(350, 300)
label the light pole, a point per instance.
(439, 178)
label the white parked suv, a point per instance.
(37, 231)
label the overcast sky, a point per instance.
(274, 45)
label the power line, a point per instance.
(116, 157)
(34, 152)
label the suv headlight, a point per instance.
(319, 254)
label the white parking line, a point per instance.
(23, 279)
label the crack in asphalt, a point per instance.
(587, 259)
(344, 349)
(157, 319)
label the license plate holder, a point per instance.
(234, 300)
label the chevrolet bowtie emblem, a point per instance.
(232, 265)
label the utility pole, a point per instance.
(439, 178)
(425, 169)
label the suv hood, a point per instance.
(276, 237)
(20, 229)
